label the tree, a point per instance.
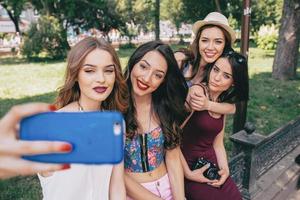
(140, 12)
(134, 14)
(156, 19)
(14, 9)
(271, 10)
(44, 37)
(99, 14)
(195, 10)
(172, 10)
(287, 51)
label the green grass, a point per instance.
(272, 103)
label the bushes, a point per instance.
(266, 37)
(45, 37)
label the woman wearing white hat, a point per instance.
(213, 36)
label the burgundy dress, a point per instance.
(198, 136)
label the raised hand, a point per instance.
(11, 149)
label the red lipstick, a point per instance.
(141, 85)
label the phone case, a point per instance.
(97, 137)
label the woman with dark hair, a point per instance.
(156, 109)
(184, 57)
(225, 80)
(93, 82)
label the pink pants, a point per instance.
(160, 188)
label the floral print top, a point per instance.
(145, 152)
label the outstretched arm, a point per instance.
(11, 149)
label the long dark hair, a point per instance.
(239, 91)
(195, 47)
(189, 57)
(167, 101)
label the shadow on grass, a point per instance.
(21, 188)
(273, 103)
(6, 104)
(16, 60)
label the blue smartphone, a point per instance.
(96, 137)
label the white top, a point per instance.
(82, 182)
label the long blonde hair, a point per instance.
(69, 92)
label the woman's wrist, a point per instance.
(188, 174)
(225, 168)
(209, 105)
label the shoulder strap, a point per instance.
(186, 120)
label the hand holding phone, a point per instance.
(96, 137)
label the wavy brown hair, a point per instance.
(195, 47)
(69, 92)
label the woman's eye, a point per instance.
(219, 42)
(143, 66)
(109, 71)
(159, 76)
(215, 69)
(88, 70)
(226, 76)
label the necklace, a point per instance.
(80, 108)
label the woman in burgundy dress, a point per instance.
(226, 80)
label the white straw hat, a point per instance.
(215, 18)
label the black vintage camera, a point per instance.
(211, 173)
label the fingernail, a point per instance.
(66, 166)
(66, 147)
(52, 107)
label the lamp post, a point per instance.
(241, 107)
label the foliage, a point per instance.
(99, 14)
(127, 46)
(45, 37)
(131, 31)
(196, 10)
(265, 12)
(172, 10)
(266, 37)
(233, 22)
(137, 12)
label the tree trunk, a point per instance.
(287, 51)
(14, 19)
(156, 16)
(218, 7)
